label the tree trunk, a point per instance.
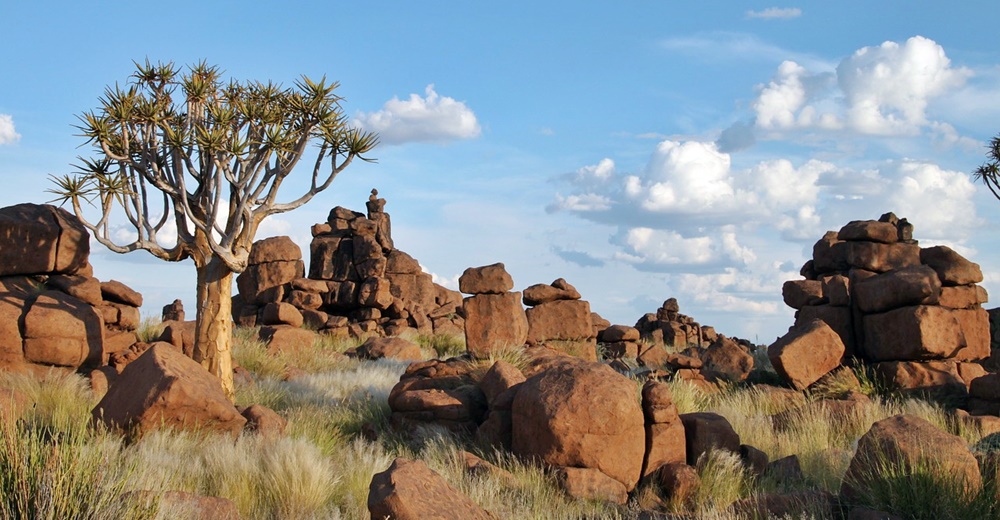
(214, 328)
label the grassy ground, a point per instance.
(53, 465)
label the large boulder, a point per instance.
(916, 285)
(807, 353)
(409, 490)
(559, 320)
(899, 445)
(41, 239)
(913, 334)
(581, 414)
(488, 279)
(951, 267)
(705, 431)
(726, 360)
(274, 249)
(665, 440)
(165, 389)
(61, 330)
(494, 322)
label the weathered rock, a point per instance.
(400, 262)
(840, 319)
(581, 414)
(591, 484)
(916, 285)
(285, 338)
(616, 333)
(375, 292)
(264, 421)
(986, 387)
(801, 293)
(409, 490)
(494, 322)
(282, 314)
(879, 258)
(665, 440)
(939, 377)
(806, 353)
(830, 254)
(541, 293)
(754, 460)
(274, 249)
(165, 389)
(794, 504)
(726, 360)
(705, 431)
(559, 320)
(679, 482)
(837, 290)
(173, 311)
(63, 331)
(392, 348)
(41, 239)
(913, 334)
(869, 230)
(500, 378)
(975, 325)
(951, 267)
(85, 288)
(903, 442)
(115, 291)
(962, 296)
(488, 279)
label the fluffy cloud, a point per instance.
(432, 118)
(881, 90)
(776, 13)
(938, 202)
(7, 132)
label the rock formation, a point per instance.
(358, 283)
(53, 312)
(915, 314)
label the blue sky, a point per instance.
(641, 150)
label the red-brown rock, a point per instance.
(282, 313)
(726, 360)
(85, 288)
(63, 331)
(165, 389)
(869, 230)
(902, 442)
(488, 279)
(285, 338)
(879, 258)
(665, 440)
(951, 267)
(409, 490)
(274, 249)
(679, 482)
(591, 484)
(581, 414)
(915, 285)
(264, 421)
(392, 348)
(559, 320)
(913, 334)
(41, 239)
(840, 319)
(494, 322)
(806, 353)
(800, 293)
(975, 325)
(705, 431)
(117, 292)
(541, 293)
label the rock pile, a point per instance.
(559, 319)
(872, 293)
(358, 283)
(53, 312)
(670, 340)
(494, 318)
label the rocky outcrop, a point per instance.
(914, 313)
(53, 311)
(358, 285)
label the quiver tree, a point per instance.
(193, 164)
(989, 172)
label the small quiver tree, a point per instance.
(209, 157)
(989, 172)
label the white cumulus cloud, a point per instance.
(8, 134)
(878, 90)
(938, 202)
(776, 13)
(431, 118)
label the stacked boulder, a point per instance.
(358, 283)
(559, 319)
(494, 318)
(53, 312)
(668, 327)
(872, 293)
(670, 340)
